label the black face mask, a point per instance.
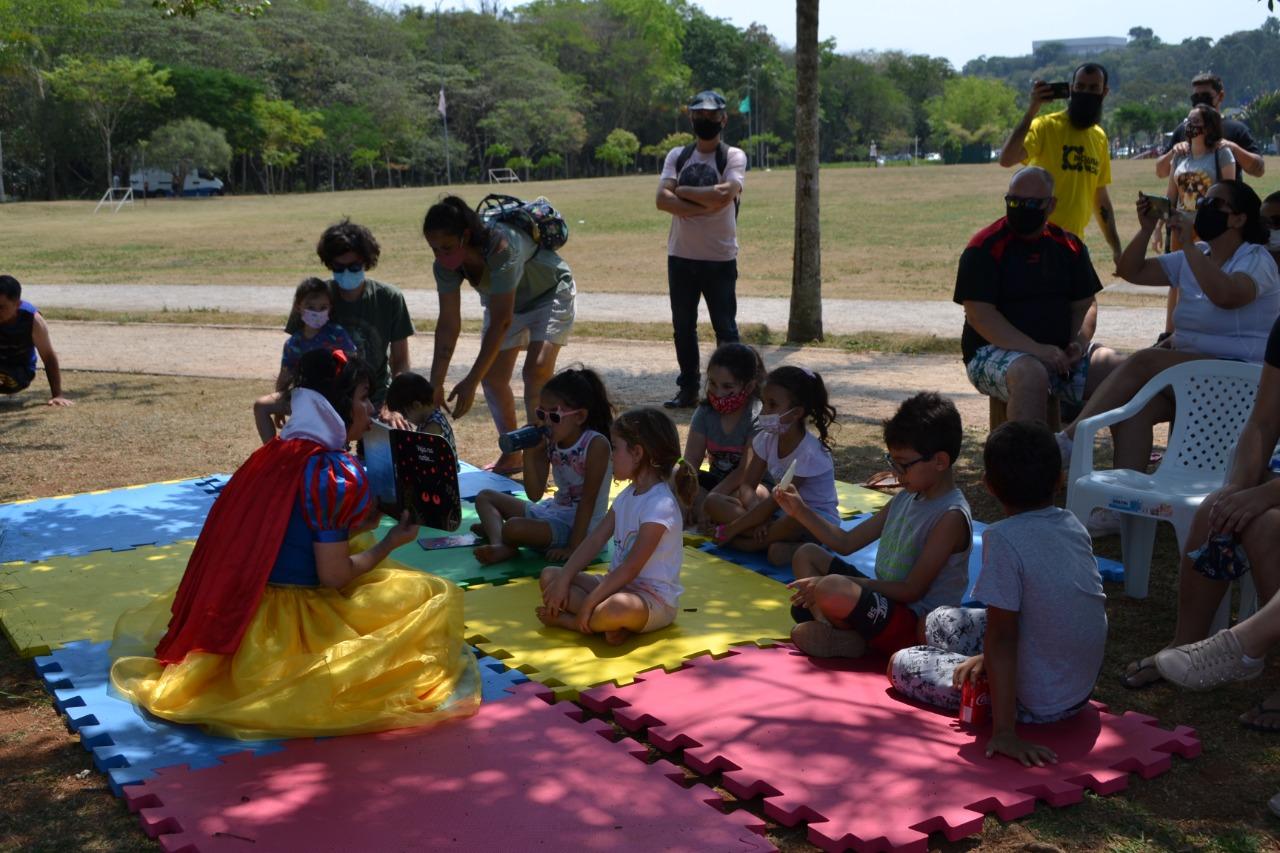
(1084, 109)
(1199, 98)
(1024, 222)
(1211, 223)
(706, 128)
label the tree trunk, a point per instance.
(805, 323)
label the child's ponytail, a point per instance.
(684, 483)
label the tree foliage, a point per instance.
(618, 149)
(972, 111)
(188, 144)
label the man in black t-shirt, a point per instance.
(1028, 288)
(1207, 89)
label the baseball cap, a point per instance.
(707, 100)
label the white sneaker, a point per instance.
(1064, 447)
(1103, 522)
(1208, 664)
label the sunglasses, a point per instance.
(1034, 204)
(356, 267)
(902, 467)
(554, 415)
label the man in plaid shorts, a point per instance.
(1028, 290)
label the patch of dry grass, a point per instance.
(888, 233)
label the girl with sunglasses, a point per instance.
(574, 412)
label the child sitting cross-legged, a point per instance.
(1040, 641)
(923, 555)
(641, 592)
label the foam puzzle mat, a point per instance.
(129, 745)
(829, 743)
(723, 606)
(454, 564)
(114, 519)
(519, 775)
(46, 604)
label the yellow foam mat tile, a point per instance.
(723, 605)
(855, 500)
(46, 604)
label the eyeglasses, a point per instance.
(1033, 204)
(554, 415)
(358, 266)
(1216, 203)
(902, 467)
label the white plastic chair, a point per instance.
(1213, 401)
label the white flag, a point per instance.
(440, 106)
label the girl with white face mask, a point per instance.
(312, 307)
(793, 398)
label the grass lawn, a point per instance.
(1215, 803)
(892, 233)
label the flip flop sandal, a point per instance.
(1262, 709)
(883, 481)
(1131, 677)
(508, 472)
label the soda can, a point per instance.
(975, 702)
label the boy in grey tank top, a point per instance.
(925, 538)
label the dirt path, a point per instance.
(1126, 328)
(864, 387)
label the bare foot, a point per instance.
(618, 637)
(487, 555)
(478, 530)
(560, 620)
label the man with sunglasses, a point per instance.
(1208, 89)
(1028, 291)
(1071, 146)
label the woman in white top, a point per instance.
(1229, 296)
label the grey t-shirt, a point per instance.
(725, 449)
(907, 526)
(513, 263)
(1040, 564)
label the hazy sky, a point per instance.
(961, 31)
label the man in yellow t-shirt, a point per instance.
(1071, 146)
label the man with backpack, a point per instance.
(702, 246)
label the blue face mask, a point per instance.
(348, 280)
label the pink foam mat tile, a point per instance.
(830, 743)
(519, 775)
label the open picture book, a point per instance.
(414, 471)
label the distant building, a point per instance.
(1085, 46)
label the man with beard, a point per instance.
(1208, 89)
(702, 246)
(1072, 147)
(1027, 287)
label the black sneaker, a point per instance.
(685, 398)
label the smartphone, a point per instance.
(1159, 204)
(1061, 91)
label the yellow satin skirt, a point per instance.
(385, 652)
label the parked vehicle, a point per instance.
(158, 182)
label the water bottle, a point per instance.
(526, 436)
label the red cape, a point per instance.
(236, 551)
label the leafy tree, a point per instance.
(366, 158)
(189, 8)
(1263, 115)
(287, 130)
(187, 144)
(972, 111)
(805, 321)
(618, 149)
(658, 151)
(109, 90)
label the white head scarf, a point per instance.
(315, 419)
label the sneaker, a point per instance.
(1103, 522)
(1208, 664)
(1064, 447)
(685, 398)
(820, 640)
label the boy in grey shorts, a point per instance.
(1045, 626)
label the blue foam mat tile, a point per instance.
(128, 744)
(472, 483)
(117, 520)
(865, 560)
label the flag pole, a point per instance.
(444, 116)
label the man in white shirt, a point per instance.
(702, 247)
